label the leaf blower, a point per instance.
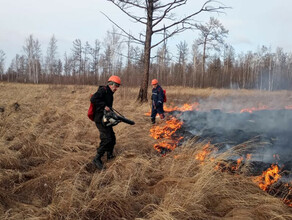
(113, 117)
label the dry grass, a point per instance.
(47, 141)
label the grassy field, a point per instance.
(47, 143)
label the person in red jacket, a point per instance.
(157, 101)
(103, 101)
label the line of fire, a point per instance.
(258, 140)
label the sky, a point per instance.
(251, 23)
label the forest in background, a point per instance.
(188, 66)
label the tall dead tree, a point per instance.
(212, 36)
(32, 50)
(182, 50)
(158, 18)
(77, 53)
(51, 59)
(95, 56)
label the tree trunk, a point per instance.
(203, 66)
(142, 96)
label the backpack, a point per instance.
(164, 95)
(91, 109)
(90, 112)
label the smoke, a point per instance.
(269, 131)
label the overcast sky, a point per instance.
(251, 23)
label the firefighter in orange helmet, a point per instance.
(103, 101)
(157, 101)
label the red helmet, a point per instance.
(154, 82)
(115, 79)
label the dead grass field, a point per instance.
(46, 141)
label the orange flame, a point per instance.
(251, 110)
(268, 177)
(185, 107)
(238, 162)
(167, 145)
(287, 202)
(248, 156)
(201, 156)
(167, 133)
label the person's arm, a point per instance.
(160, 97)
(98, 99)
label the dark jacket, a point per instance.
(103, 97)
(157, 96)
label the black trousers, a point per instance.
(107, 139)
(158, 110)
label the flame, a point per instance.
(268, 177)
(167, 133)
(223, 166)
(251, 110)
(185, 107)
(195, 106)
(165, 146)
(201, 156)
(238, 162)
(148, 113)
(172, 125)
(287, 202)
(263, 107)
(248, 156)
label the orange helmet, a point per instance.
(154, 82)
(115, 79)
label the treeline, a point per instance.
(93, 64)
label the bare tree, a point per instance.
(51, 58)
(87, 59)
(197, 58)
(163, 60)
(32, 49)
(59, 69)
(67, 65)
(77, 57)
(182, 49)
(132, 73)
(95, 57)
(212, 36)
(158, 18)
(2, 60)
(113, 45)
(229, 60)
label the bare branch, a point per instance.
(122, 5)
(127, 34)
(184, 20)
(169, 7)
(178, 30)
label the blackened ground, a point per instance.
(269, 128)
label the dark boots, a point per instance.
(110, 156)
(153, 120)
(98, 162)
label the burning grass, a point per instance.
(47, 141)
